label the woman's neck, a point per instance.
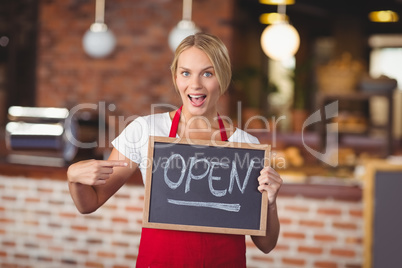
(202, 122)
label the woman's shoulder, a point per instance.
(151, 119)
(157, 118)
(240, 135)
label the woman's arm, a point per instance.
(271, 182)
(93, 182)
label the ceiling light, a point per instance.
(277, 2)
(184, 28)
(280, 40)
(271, 18)
(383, 16)
(99, 41)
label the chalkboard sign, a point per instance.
(205, 186)
(383, 215)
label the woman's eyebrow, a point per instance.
(206, 68)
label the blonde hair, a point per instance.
(216, 52)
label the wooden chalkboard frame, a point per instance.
(261, 231)
(369, 201)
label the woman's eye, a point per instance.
(185, 73)
(207, 74)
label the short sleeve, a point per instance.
(133, 140)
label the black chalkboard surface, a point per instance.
(383, 215)
(205, 186)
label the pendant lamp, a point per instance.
(184, 28)
(99, 41)
(280, 40)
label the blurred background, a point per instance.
(343, 54)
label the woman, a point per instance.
(201, 73)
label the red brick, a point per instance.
(44, 259)
(8, 243)
(325, 238)
(21, 256)
(31, 222)
(119, 220)
(104, 230)
(354, 240)
(44, 236)
(70, 239)
(345, 225)
(311, 223)
(110, 206)
(293, 235)
(54, 225)
(43, 213)
(81, 251)
(325, 264)
(121, 244)
(353, 265)
(94, 241)
(56, 202)
(32, 200)
(67, 215)
(9, 198)
(94, 217)
(104, 254)
(329, 211)
(134, 209)
(3, 254)
(45, 190)
(343, 252)
(263, 259)
(122, 196)
(285, 221)
(31, 245)
(55, 248)
(281, 247)
(293, 261)
(356, 213)
(6, 220)
(94, 264)
(79, 228)
(69, 262)
(130, 257)
(310, 250)
(297, 209)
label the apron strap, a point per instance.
(175, 123)
(224, 137)
(176, 120)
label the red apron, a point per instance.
(168, 248)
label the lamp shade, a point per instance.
(183, 29)
(280, 41)
(99, 41)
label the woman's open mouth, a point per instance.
(197, 100)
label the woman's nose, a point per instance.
(195, 82)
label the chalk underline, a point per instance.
(222, 206)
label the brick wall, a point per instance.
(137, 73)
(40, 227)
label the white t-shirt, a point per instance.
(133, 140)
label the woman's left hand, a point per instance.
(271, 182)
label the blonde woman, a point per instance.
(201, 73)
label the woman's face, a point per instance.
(197, 83)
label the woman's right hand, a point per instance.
(93, 172)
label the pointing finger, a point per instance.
(113, 163)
